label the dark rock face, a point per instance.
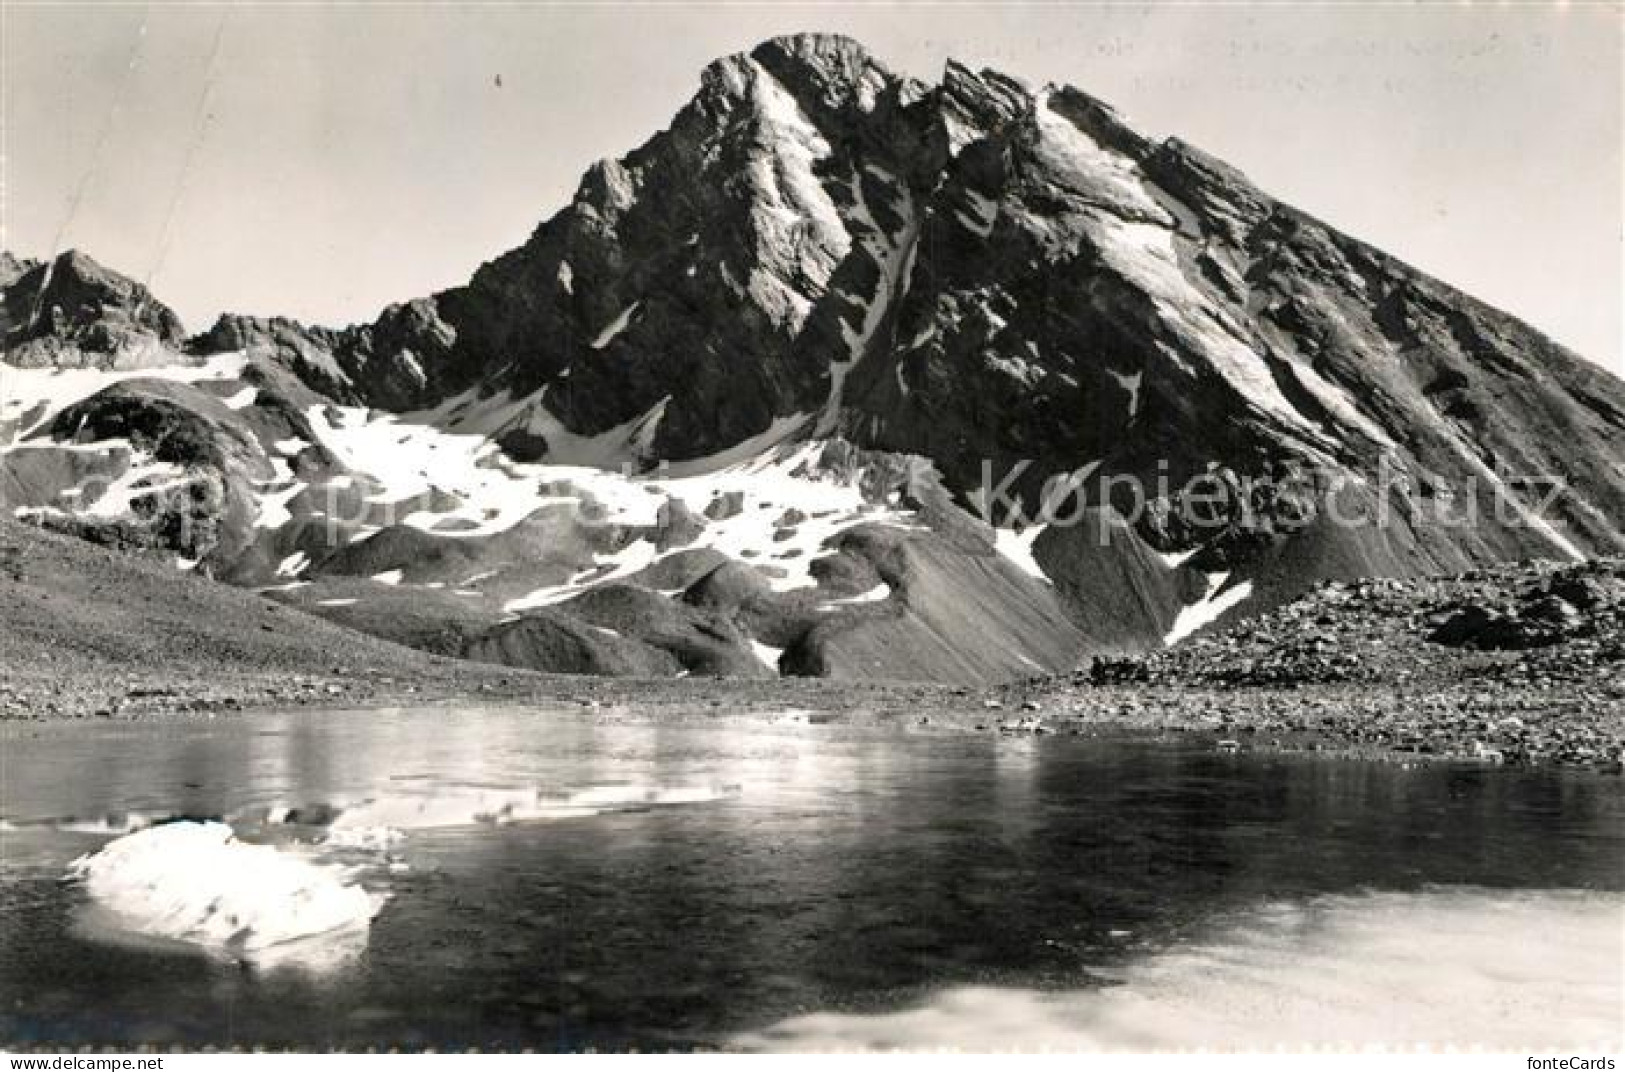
(307, 352)
(1557, 609)
(73, 313)
(676, 525)
(381, 364)
(172, 422)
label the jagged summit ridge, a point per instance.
(829, 72)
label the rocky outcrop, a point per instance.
(73, 313)
(1558, 609)
(1520, 663)
(309, 352)
(13, 268)
(1525, 621)
(198, 463)
(381, 364)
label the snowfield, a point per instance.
(785, 478)
(448, 456)
(32, 396)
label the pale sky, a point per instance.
(321, 160)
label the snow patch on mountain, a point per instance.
(1175, 559)
(767, 655)
(878, 594)
(785, 478)
(1530, 518)
(408, 460)
(143, 479)
(1144, 254)
(293, 565)
(632, 559)
(1130, 382)
(1017, 548)
(35, 395)
(627, 445)
(615, 327)
(893, 255)
(272, 497)
(1109, 178)
(983, 212)
(1338, 402)
(241, 399)
(1215, 602)
(780, 431)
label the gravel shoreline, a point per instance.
(1506, 728)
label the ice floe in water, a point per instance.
(196, 883)
(1500, 970)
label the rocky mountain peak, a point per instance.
(830, 58)
(824, 80)
(980, 272)
(827, 73)
(1172, 393)
(975, 104)
(13, 268)
(72, 311)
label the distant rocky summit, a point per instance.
(841, 374)
(71, 312)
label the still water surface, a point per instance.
(563, 882)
